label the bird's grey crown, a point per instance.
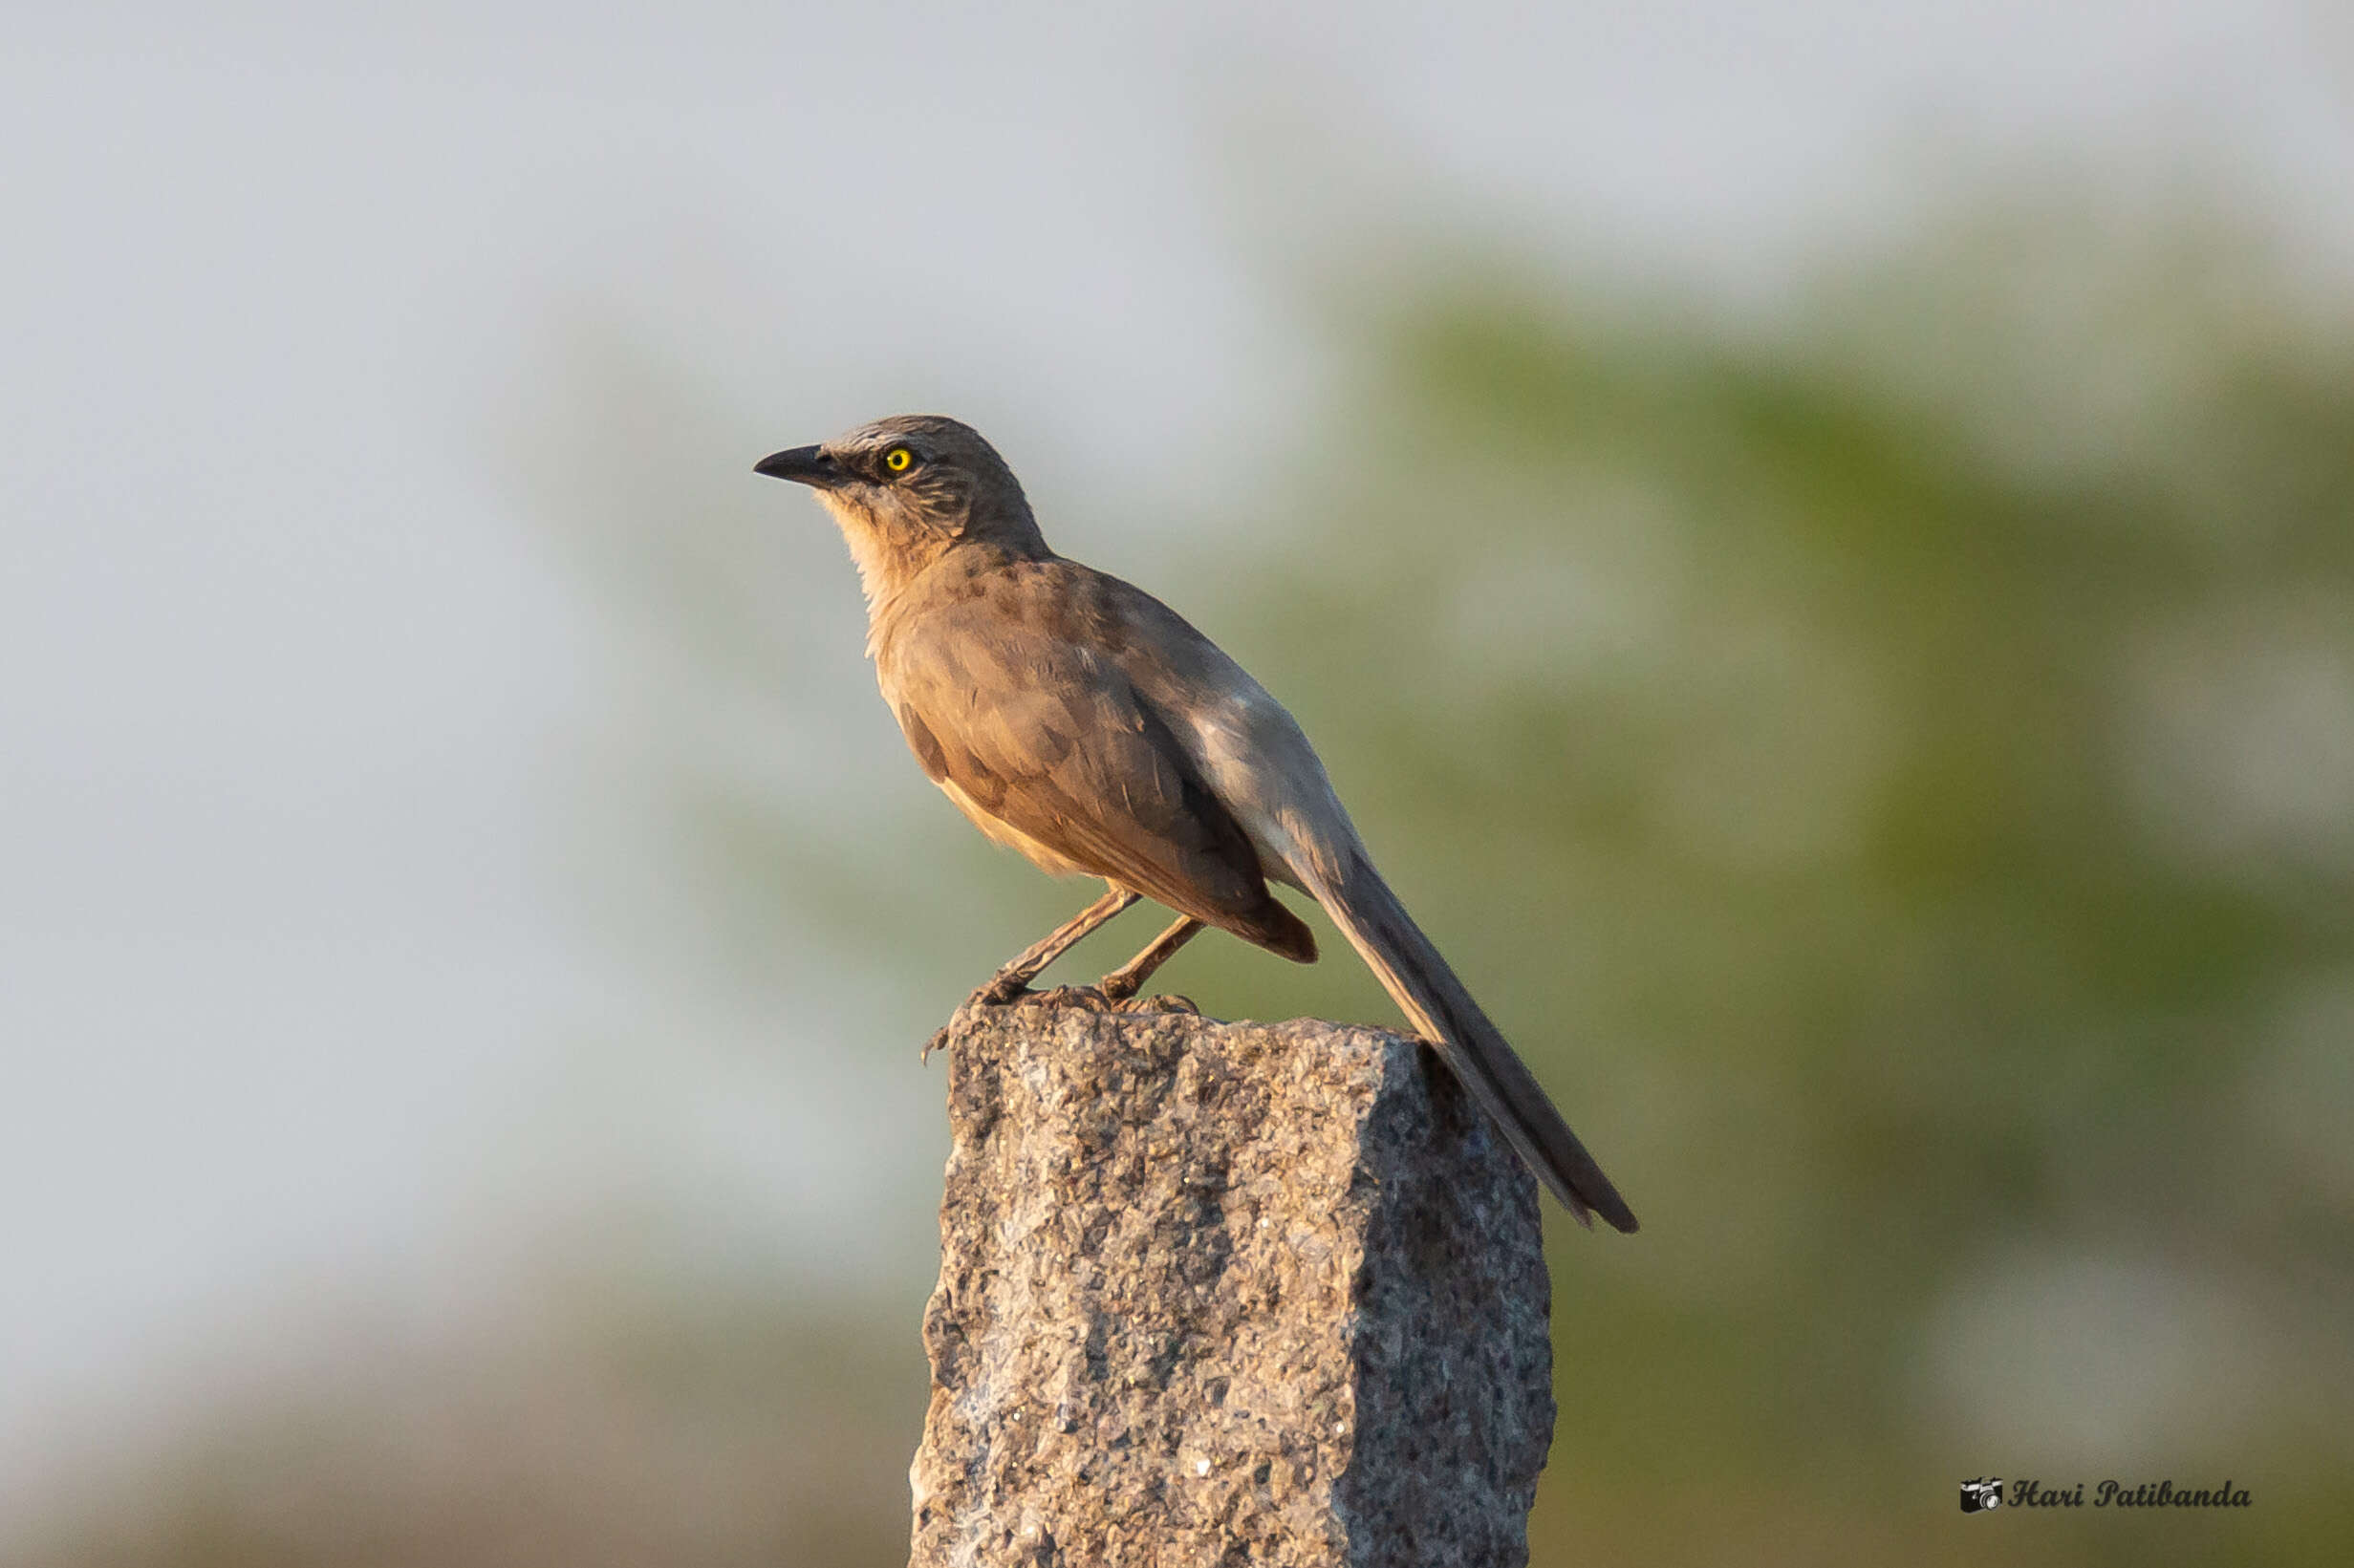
(934, 437)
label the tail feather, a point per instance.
(1279, 931)
(1412, 970)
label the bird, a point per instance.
(1078, 719)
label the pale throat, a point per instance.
(885, 558)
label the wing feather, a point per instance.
(1044, 734)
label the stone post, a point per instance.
(1226, 1293)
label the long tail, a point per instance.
(1409, 968)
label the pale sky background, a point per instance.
(298, 1019)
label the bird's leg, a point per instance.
(1128, 978)
(1015, 977)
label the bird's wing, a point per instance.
(1264, 770)
(1034, 724)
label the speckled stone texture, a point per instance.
(1226, 1293)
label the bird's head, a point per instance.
(906, 489)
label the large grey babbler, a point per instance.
(1082, 722)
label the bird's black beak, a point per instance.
(802, 465)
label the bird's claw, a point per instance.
(1085, 998)
(1157, 1004)
(1005, 990)
(998, 992)
(1089, 999)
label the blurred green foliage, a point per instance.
(1894, 774)
(1891, 770)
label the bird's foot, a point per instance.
(1085, 997)
(1001, 990)
(1159, 1002)
(1004, 992)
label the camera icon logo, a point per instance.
(1982, 1494)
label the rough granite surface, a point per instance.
(1226, 1293)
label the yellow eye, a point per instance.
(898, 460)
